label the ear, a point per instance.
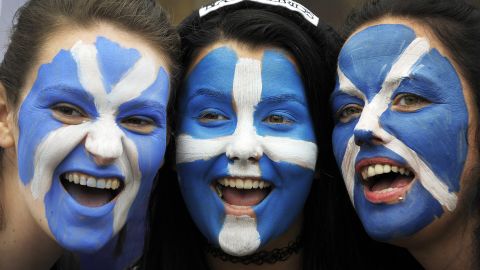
(6, 131)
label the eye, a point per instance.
(409, 103)
(209, 116)
(349, 112)
(69, 114)
(139, 124)
(277, 119)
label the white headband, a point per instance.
(292, 5)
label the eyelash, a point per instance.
(349, 112)
(69, 114)
(139, 124)
(211, 116)
(417, 104)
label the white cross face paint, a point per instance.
(400, 136)
(246, 152)
(92, 137)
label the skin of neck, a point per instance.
(23, 244)
(294, 262)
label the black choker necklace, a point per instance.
(261, 257)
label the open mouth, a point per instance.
(89, 190)
(242, 191)
(385, 183)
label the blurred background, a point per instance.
(331, 11)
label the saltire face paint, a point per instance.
(116, 90)
(246, 148)
(402, 166)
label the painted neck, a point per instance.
(294, 262)
(23, 244)
(455, 249)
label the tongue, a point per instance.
(243, 197)
(86, 196)
(385, 183)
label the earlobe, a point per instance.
(6, 132)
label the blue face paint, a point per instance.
(227, 113)
(434, 135)
(131, 88)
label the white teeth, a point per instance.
(239, 183)
(83, 180)
(91, 181)
(377, 169)
(247, 184)
(387, 168)
(243, 183)
(101, 183)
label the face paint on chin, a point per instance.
(400, 136)
(88, 174)
(245, 160)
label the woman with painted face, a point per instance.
(406, 133)
(84, 93)
(253, 152)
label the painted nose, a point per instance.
(245, 146)
(104, 142)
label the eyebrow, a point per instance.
(140, 103)
(211, 93)
(283, 98)
(62, 89)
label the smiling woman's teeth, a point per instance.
(243, 183)
(90, 181)
(377, 169)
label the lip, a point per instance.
(240, 210)
(391, 195)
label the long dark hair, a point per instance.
(333, 236)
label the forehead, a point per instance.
(214, 68)
(67, 36)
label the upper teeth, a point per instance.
(90, 181)
(243, 183)
(377, 169)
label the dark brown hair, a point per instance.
(38, 19)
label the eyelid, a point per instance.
(349, 118)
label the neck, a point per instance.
(293, 262)
(454, 249)
(23, 244)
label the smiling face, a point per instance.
(92, 133)
(401, 133)
(246, 148)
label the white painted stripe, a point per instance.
(278, 149)
(425, 175)
(239, 235)
(348, 166)
(49, 155)
(346, 86)
(370, 119)
(190, 149)
(141, 76)
(128, 164)
(298, 152)
(85, 55)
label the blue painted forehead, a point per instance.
(373, 51)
